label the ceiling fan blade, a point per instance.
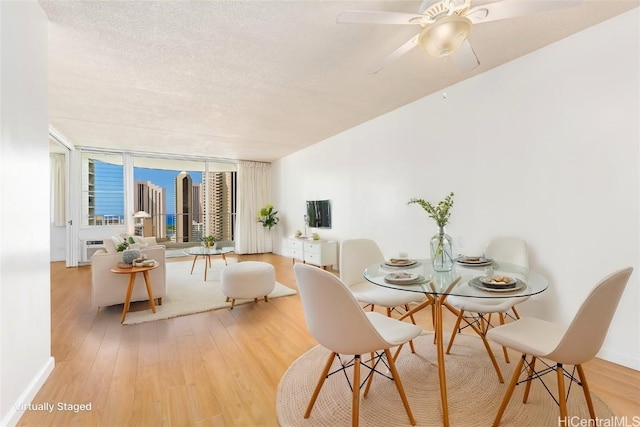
(465, 58)
(378, 17)
(513, 8)
(413, 42)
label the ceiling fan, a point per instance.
(446, 24)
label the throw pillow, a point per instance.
(109, 245)
(147, 241)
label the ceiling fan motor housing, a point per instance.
(444, 37)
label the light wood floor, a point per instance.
(219, 368)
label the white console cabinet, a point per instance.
(317, 252)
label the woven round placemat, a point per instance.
(474, 392)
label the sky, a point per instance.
(109, 187)
(164, 178)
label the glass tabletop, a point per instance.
(204, 250)
(421, 278)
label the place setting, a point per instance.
(404, 278)
(497, 283)
(402, 261)
(473, 261)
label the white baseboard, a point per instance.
(619, 359)
(13, 416)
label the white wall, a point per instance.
(545, 147)
(25, 316)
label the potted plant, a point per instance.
(440, 245)
(209, 241)
(268, 217)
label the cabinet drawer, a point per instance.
(315, 248)
(312, 258)
(295, 253)
(294, 244)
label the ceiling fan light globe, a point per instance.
(445, 36)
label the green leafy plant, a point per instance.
(315, 236)
(209, 240)
(298, 233)
(440, 212)
(268, 217)
(125, 245)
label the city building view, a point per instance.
(173, 206)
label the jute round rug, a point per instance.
(473, 390)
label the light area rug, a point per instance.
(189, 293)
(473, 390)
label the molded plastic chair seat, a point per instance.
(574, 344)
(369, 293)
(480, 310)
(355, 256)
(337, 321)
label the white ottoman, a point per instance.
(248, 280)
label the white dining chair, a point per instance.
(563, 345)
(337, 321)
(355, 256)
(477, 312)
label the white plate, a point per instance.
(396, 262)
(473, 261)
(498, 281)
(476, 283)
(400, 277)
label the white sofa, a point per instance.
(109, 288)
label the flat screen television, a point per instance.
(319, 213)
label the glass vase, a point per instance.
(441, 251)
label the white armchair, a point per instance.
(108, 288)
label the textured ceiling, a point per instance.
(254, 80)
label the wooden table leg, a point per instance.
(224, 258)
(147, 282)
(441, 371)
(194, 263)
(207, 259)
(127, 299)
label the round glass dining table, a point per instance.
(463, 280)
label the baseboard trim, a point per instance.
(29, 393)
(619, 359)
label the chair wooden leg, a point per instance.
(485, 323)
(396, 378)
(504, 349)
(509, 392)
(587, 392)
(455, 330)
(266, 298)
(255, 300)
(492, 357)
(233, 303)
(316, 391)
(413, 349)
(531, 371)
(397, 353)
(355, 404)
(370, 380)
(515, 312)
(487, 347)
(561, 397)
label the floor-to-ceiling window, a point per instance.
(102, 189)
(181, 201)
(178, 201)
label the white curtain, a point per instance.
(253, 192)
(58, 188)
